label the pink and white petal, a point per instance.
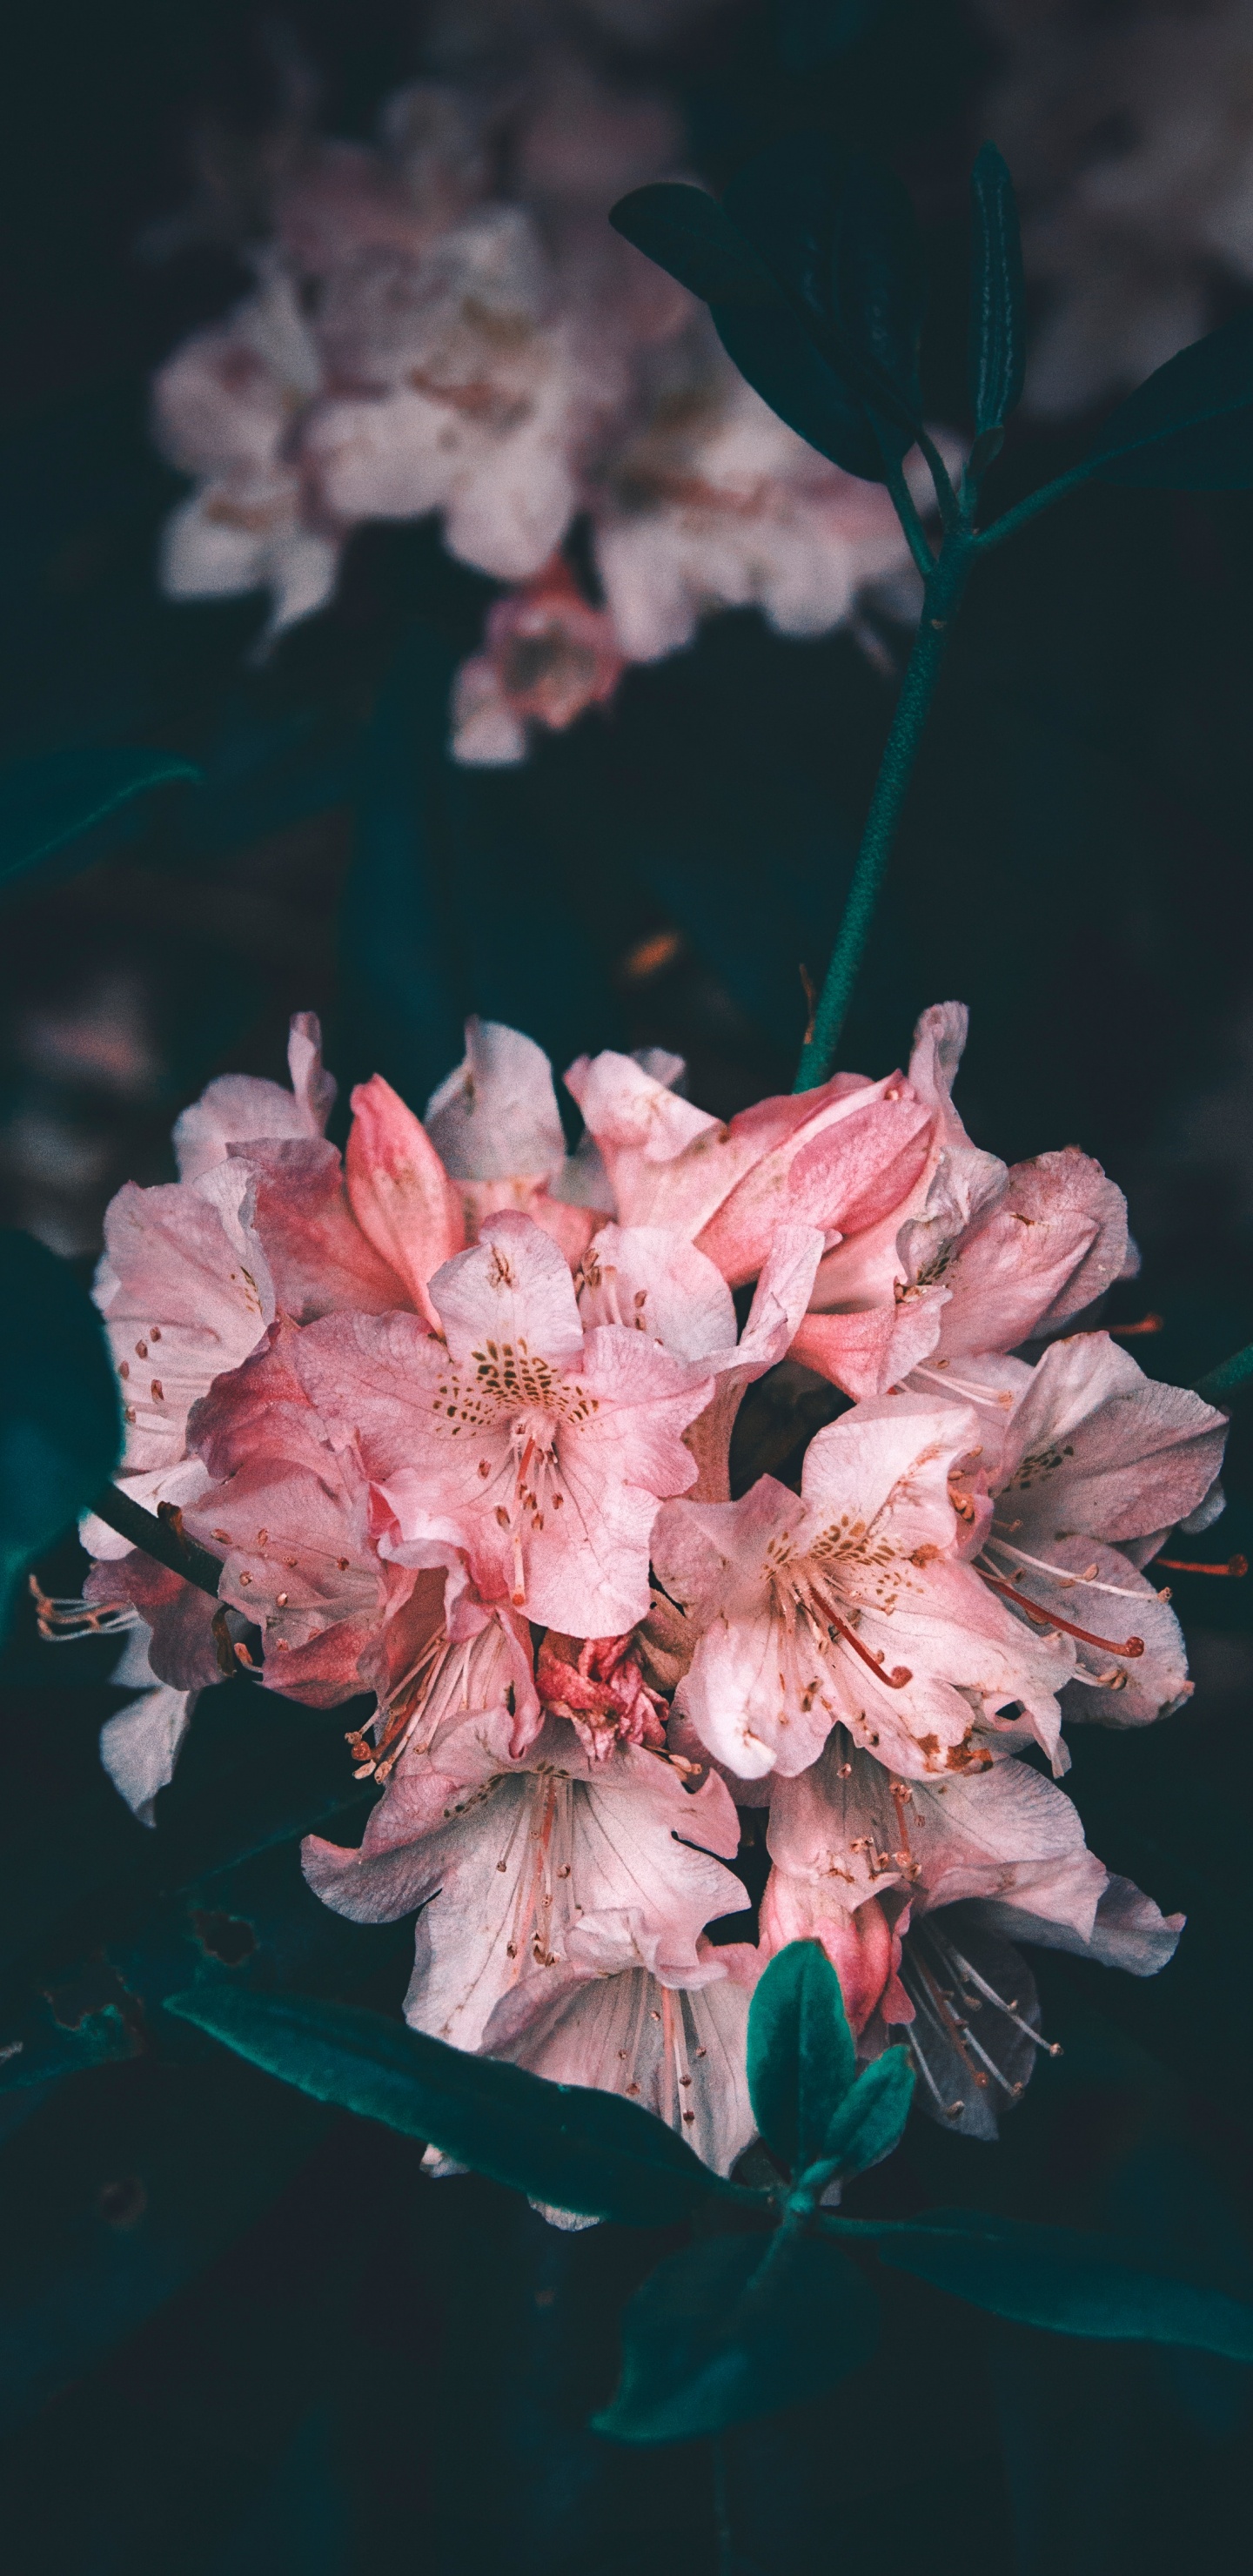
(182, 1649)
(713, 1557)
(653, 1281)
(238, 1109)
(867, 1352)
(838, 1825)
(640, 1127)
(815, 1158)
(320, 1261)
(737, 1697)
(679, 2053)
(140, 1745)
(512, 1289)
(571, 1847)
(185, 1291)
(180, 1484)
(374, 1380)
(398, 1190)
(859, 1944)
(570, 1228)
(1129, 1931)
(1098, 1446)
(1118, 1603)
(886, 1464)
(496, 1117)
(1007, 1834)
(1053, 1242)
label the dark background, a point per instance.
(235, 2332)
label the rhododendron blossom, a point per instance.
(850, 1603)
(454, 1414)
(416, 344)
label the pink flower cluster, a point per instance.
(455, 1413)
(424, 340)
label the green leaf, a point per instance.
(769, 296)
(1190, 427)
(1059, 2278)
(869, 2120)
(46, 802)
(60, 1417)
(1228, 1377)
(997, 347)
(562, 2143)
(688, 234)
(788, 202)
(734, 2327)
(878, 285)
(801, 2054)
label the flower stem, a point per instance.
(942, 598)
(160, 1537)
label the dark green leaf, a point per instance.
(46, 802)
(870, 2118)
(688, 234)
(878, 295)
(1190, 427)
(733, 2327)
(60, 1419)
(775, 356)
(563, 2143)
(1228, 1377)
(801, 2053)
(997, 350)
(1060, 2278)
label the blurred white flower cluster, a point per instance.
(445, 322)
(1129, 132)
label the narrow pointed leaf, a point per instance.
(561, 2143)
(1190, 427)
(1059, 2278)
(801, 2053)
(688, 234)
(60, 1418)
(56, 798)
(997, 352)
(870, 2118)
(735, 2327)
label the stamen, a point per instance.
(1051, 2047)
(1128, 1332)
(1235, 1565)
(951, 2110)
(1062, 1573)
(60, 1622)
(894, 1680)
(1049, 1619)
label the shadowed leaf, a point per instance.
(562, 2143)
(734, 2327)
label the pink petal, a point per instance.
(513, 1289)
(496, 1118)
(399, 1191)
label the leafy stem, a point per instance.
(1011, 521)
(945, 588)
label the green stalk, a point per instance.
(942, 598)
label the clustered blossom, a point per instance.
(1130, 133)
(454, 1411)
(420, 340)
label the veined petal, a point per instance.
(238, 1109)
(496, 1117)
(680, 2052)
(398, 1189)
